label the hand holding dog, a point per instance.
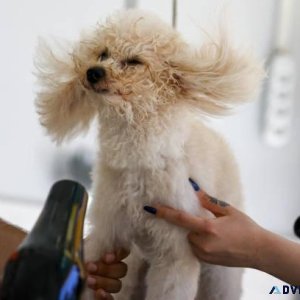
(230, 239)
(233, 239)
(104, 275)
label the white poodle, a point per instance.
(150, 92)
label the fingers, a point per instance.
(196, 224)
(104, 274)
(110, 265)
(122, 254)
(179, 218)
(119, 255)
(115, 271)
(107, 284)
(109, 258)
(217, 207)
(103, 295)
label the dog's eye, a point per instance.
(133, 62)
(103, 55)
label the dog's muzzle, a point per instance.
(95, 74)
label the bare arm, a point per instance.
(234, 239)
(10, 238)
(279, 257)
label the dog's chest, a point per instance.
(143, 186)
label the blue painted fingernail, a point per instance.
(195, 185)
(150, 209)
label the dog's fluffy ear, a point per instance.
(217, 76)
(62, 104)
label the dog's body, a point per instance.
(155, 168)
(148, 90)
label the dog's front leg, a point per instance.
(173, 279)
(105, 236)
(225, 280)
(133, 285)
(95, 246)
(93, 250)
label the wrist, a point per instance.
(260, 248)
(266, 243)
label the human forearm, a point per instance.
(233, 239)
(279, 257)
(10, 238)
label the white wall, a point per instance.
(270, 176)
(26, 154)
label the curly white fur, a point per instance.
(151, 140)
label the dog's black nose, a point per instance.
(95, 74)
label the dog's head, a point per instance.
(135, 66)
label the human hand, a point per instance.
(104, 275)
(229, 239)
